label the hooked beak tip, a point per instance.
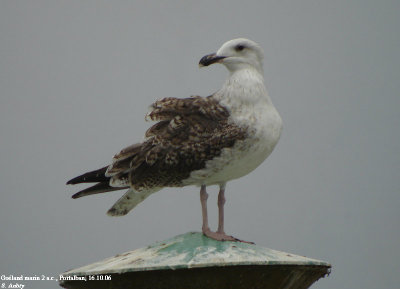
(210, 59)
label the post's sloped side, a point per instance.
(238, 277)
(194, 261)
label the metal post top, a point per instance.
(192, 250)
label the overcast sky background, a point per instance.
(76, 78)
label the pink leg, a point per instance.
(221, 203)
(203, 200)
(220, 234)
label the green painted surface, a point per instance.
(192, 250)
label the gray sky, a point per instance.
(76, 78)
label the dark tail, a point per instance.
(96, 189)
(97, 176)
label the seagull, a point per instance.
(198, 141)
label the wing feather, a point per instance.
(188, 133)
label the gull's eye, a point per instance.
(239, 47)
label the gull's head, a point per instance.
(237, 54)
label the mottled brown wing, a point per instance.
(189, 132)
(168, 108)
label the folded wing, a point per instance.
(188, 132)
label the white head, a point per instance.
(237, 54)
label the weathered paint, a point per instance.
(192, 250)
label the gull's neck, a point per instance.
(244, 87)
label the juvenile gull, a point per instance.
(199, 141)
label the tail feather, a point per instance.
(95, 176)
(129, 201)
(128, 152)
(96, 189)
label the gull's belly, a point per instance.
(235, 162)
(238, 163)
